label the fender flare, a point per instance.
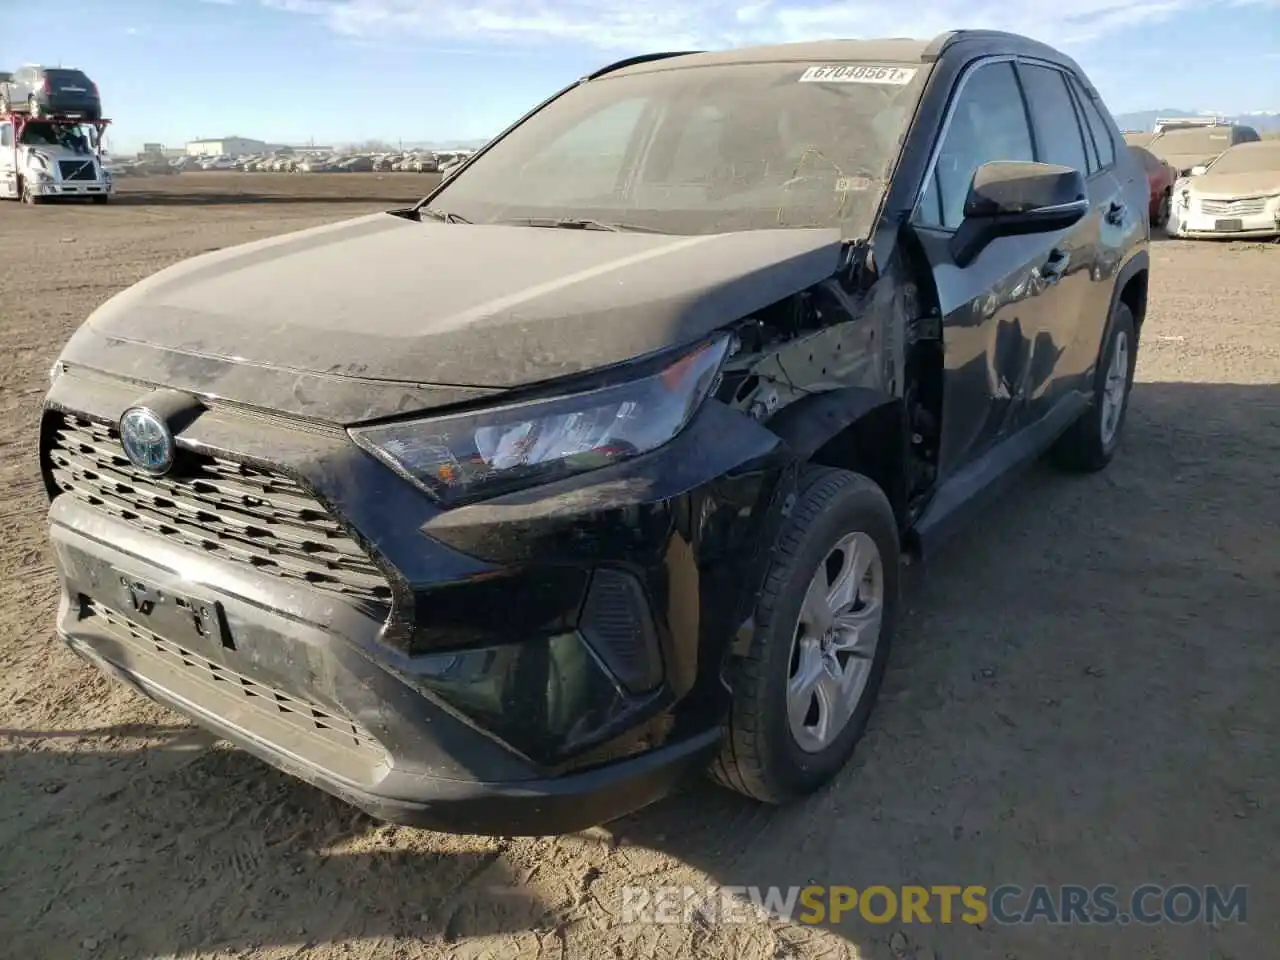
(1138, 262)
(810, 422)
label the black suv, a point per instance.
(601, 473)
(51, 91)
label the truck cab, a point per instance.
(42, 158)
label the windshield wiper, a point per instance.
(575, 223)
(443, 215)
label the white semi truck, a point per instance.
(46, 157)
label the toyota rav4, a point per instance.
(596, 468)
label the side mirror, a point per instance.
(1199, 170)
(1016, 198)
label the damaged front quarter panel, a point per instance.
(703, 512)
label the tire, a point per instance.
(1090, 443)
(24, 191)
(763, 756)
(1162, 214)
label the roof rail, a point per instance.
(938, 44)
(642, 58)
(944, 40)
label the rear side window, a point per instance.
(1058, 136)
(1101, 129)
(988, 122)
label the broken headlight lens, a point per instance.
(497, 450)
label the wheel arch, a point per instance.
(854, 428)
(1131, 288)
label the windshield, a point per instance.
(702, 150)
(1249, 158)
(69, 136)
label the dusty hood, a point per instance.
(1185, 161)
(384, 298)
(1230, 186)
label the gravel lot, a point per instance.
(1085, 691)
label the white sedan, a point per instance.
(1237, 195)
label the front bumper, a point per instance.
(1191, 222)
(544, 663)
(71, 188)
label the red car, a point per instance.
(1160, 178)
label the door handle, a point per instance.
(1055, 266)
(1115, 213)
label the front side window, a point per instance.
(6, 136)
(700, 150)
(988, 122)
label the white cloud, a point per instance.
(629, 25)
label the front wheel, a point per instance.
(27, 195)
(1163, 211)
(804, 689)
(1091, 442)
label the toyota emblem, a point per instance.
(147, 441)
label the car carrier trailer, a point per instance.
(52, 157)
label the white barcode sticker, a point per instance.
(859, 73)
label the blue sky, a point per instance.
(350, 70)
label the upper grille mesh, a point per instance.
(77, 170)
(224, 508)
(1234, 208)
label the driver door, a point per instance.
(997, 310)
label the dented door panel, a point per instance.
(998, 351)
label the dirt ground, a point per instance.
(1085, 690)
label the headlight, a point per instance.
(500, 449)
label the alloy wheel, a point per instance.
(1115, 388)
(835, 641)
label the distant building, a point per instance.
(225, 146)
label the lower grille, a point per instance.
(77, 170)
(217, 506)
(1234, 208)
(316, 733)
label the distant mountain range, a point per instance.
(1146, 119)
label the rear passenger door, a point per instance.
(1062, 137)
(995, 309)
(1119, 195)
